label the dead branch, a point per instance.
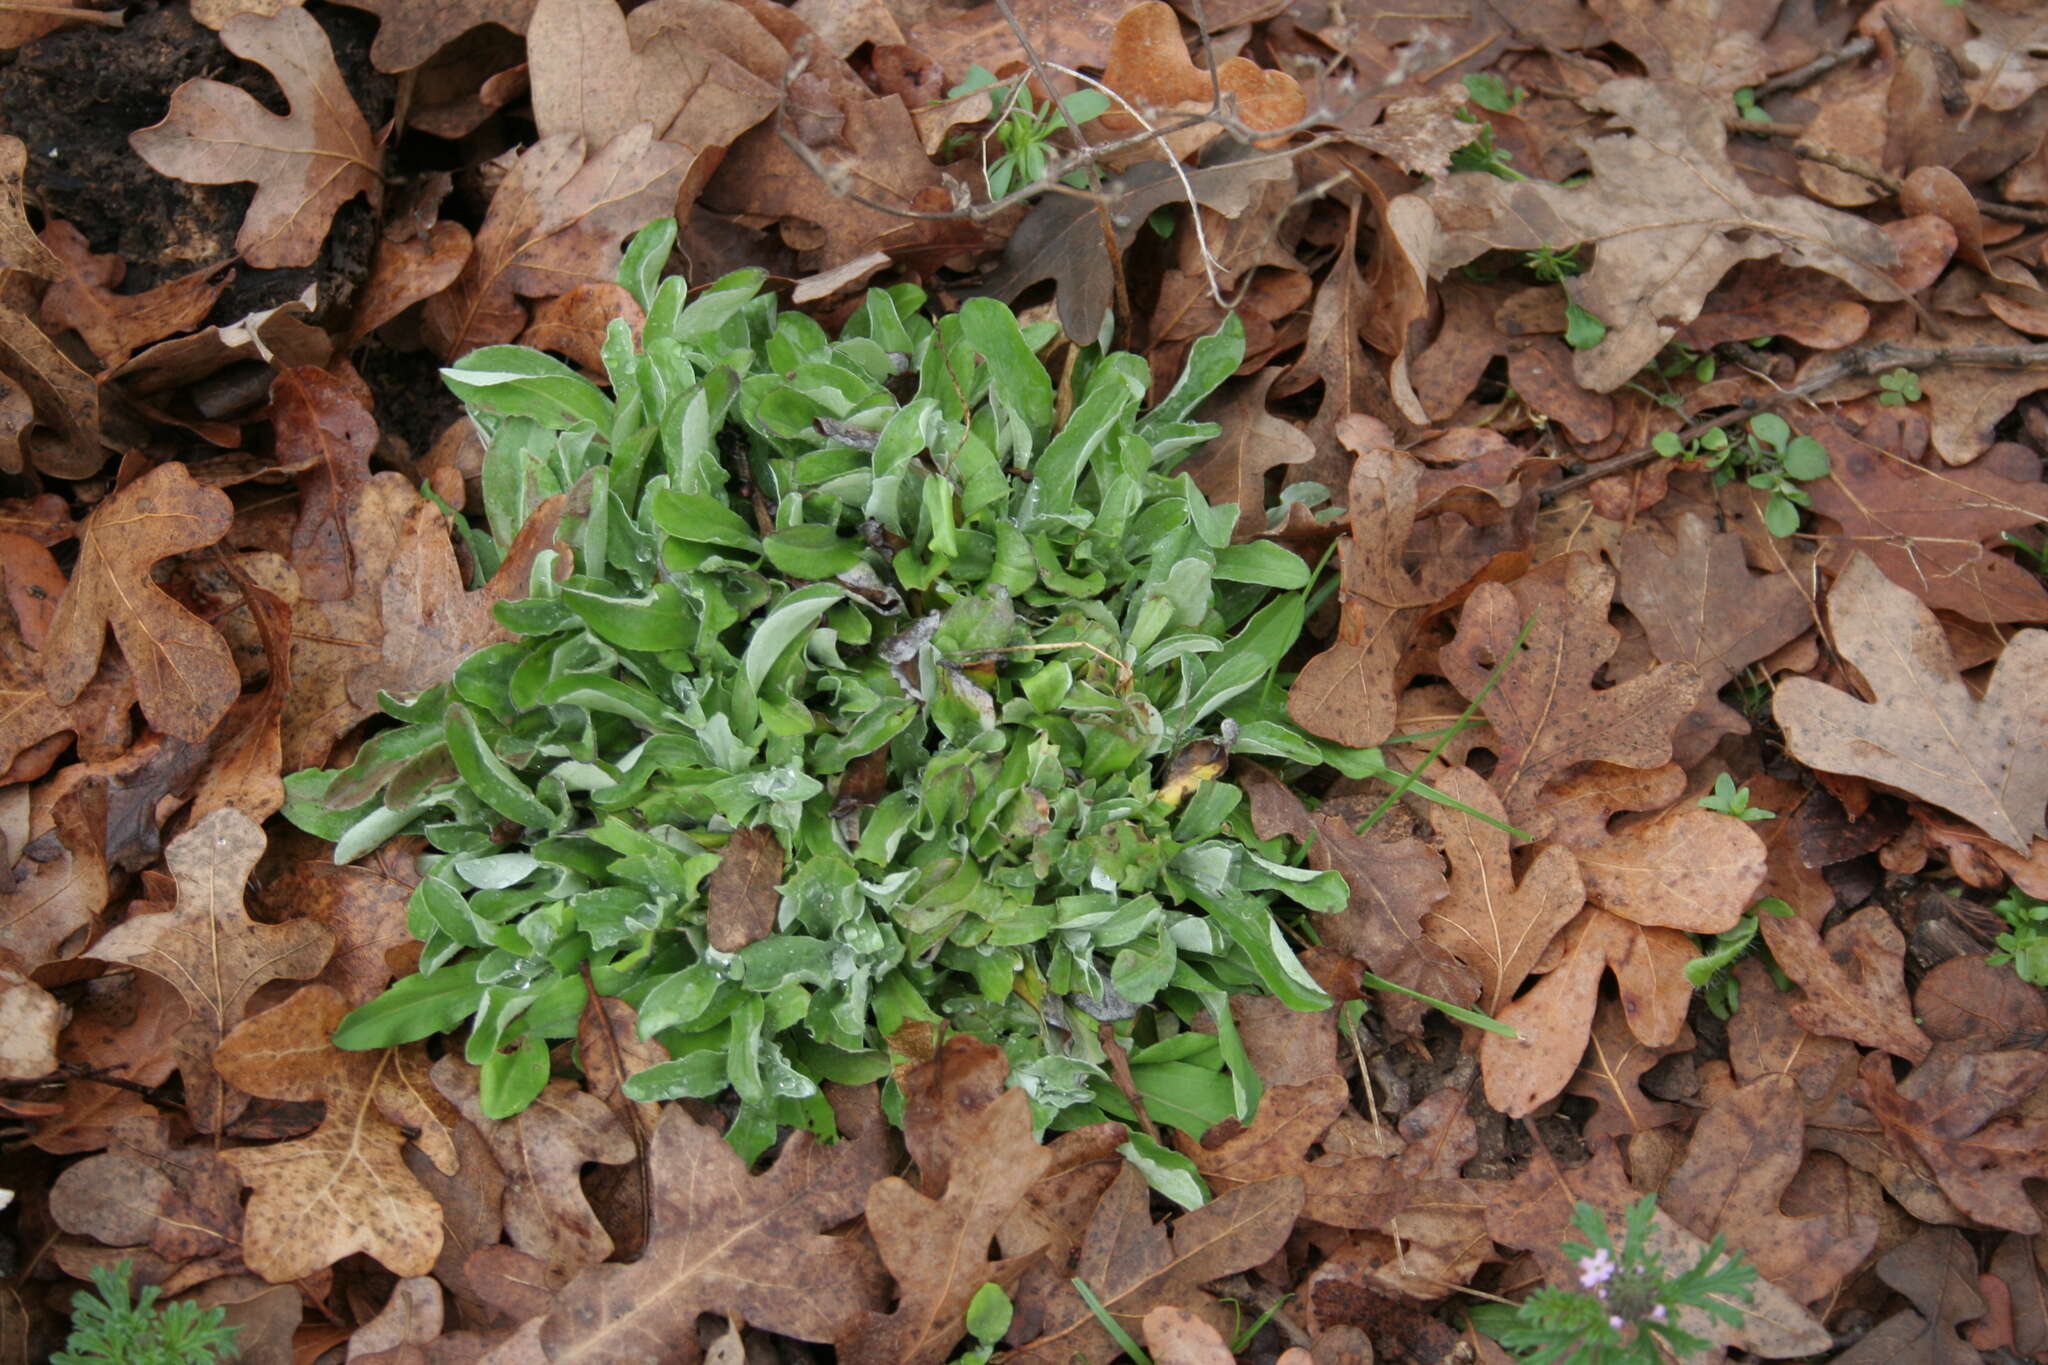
(1857, 362)
(1855, 50)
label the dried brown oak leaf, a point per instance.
(598, 71)
(1061, 238)
(1854, 980)
(115, 326)
(542, 1150)
(1682, 868)
(1611, 1076)
(430, 623)
(185, 675)
(1956, 1112)
(1492, 922)
(1234, 466)
(1670, 216)
(1936, 1271)
(410, 31)
(1744, 1152)
(935, 1239)
(1547, 715)
(1534, 1214)
(306, 164)
(1349, 692)
(211, 950)
(1699, 604)
(724, 1242)
(1148, 64)
(98, 715)
(1553, 1020)
(557, 220)
(741, 896)
(325, 435)
(345, 1187)
(1133, 1266)
(1393, 881)
(1925, 732)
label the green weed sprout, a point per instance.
(108, 1329)
(2025, 944)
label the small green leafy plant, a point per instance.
(1898, 387)
(961, 682)
(107, 1328)
(1552, 266)
(1766, 456)
(988, 1316)
(1627, 1307)
(1747, 108)
(1711, 973)
(1729, 799)
(1026, 128)
(1490, 92)
(1582, 330)
(2025, 946)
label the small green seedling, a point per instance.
(1026, 129)
(1747, 107)
(2026, 945)
(108, 1329)
(1627, 1307)
(1582, 330)
(2035, 555)
(1711, 973)
(988, 1317)
(1552, 266)
(1766, 456)
(1490, 92)
(1481, 155)
(1729, 799)
(1898, 388)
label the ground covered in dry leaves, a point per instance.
(1485, 254)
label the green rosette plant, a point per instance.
(954, 654)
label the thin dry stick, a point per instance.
(1120, 1071)
(1855, 50)
(104, 18)
(1853, 363)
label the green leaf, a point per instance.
(1166, 1171)
(519, 382)
(1771, 429)
(412, 1008)
(512, 1080)
(1806, 459)
(1582, 331)
(1015, 374)
(645, 255)
(989, 1313)
(488, 776)
(1489, 91)
(811, 552)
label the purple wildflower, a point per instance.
(1596, 1270)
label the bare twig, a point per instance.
(1856, 166)
(1855, 50)
(1120, 1072)
(1853, 363)
(104, 18)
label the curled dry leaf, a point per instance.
(344, 1188)
(1956, 1112)
(1148, 64)
(1744, 1152)
(211, 950)
(325, 435)
(114, 325)
(1544, 708)
(185, 676)
(306, 164)
(1925, 732)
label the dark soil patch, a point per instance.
(74, 97)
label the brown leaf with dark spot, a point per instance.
(185, 676)
(343, 1188)
(405, 273)
(325, 435)
(20, 247)
(742, 896)
(306, 163)
(1547, 713)
(726, 1242)
(211, 950)
(1133, 1267)
(114, 325)
(935, 1240)
(1492, 922)
(1854, 980)
(362, 904)
(1744, 1152)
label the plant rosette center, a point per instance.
(867, 699)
